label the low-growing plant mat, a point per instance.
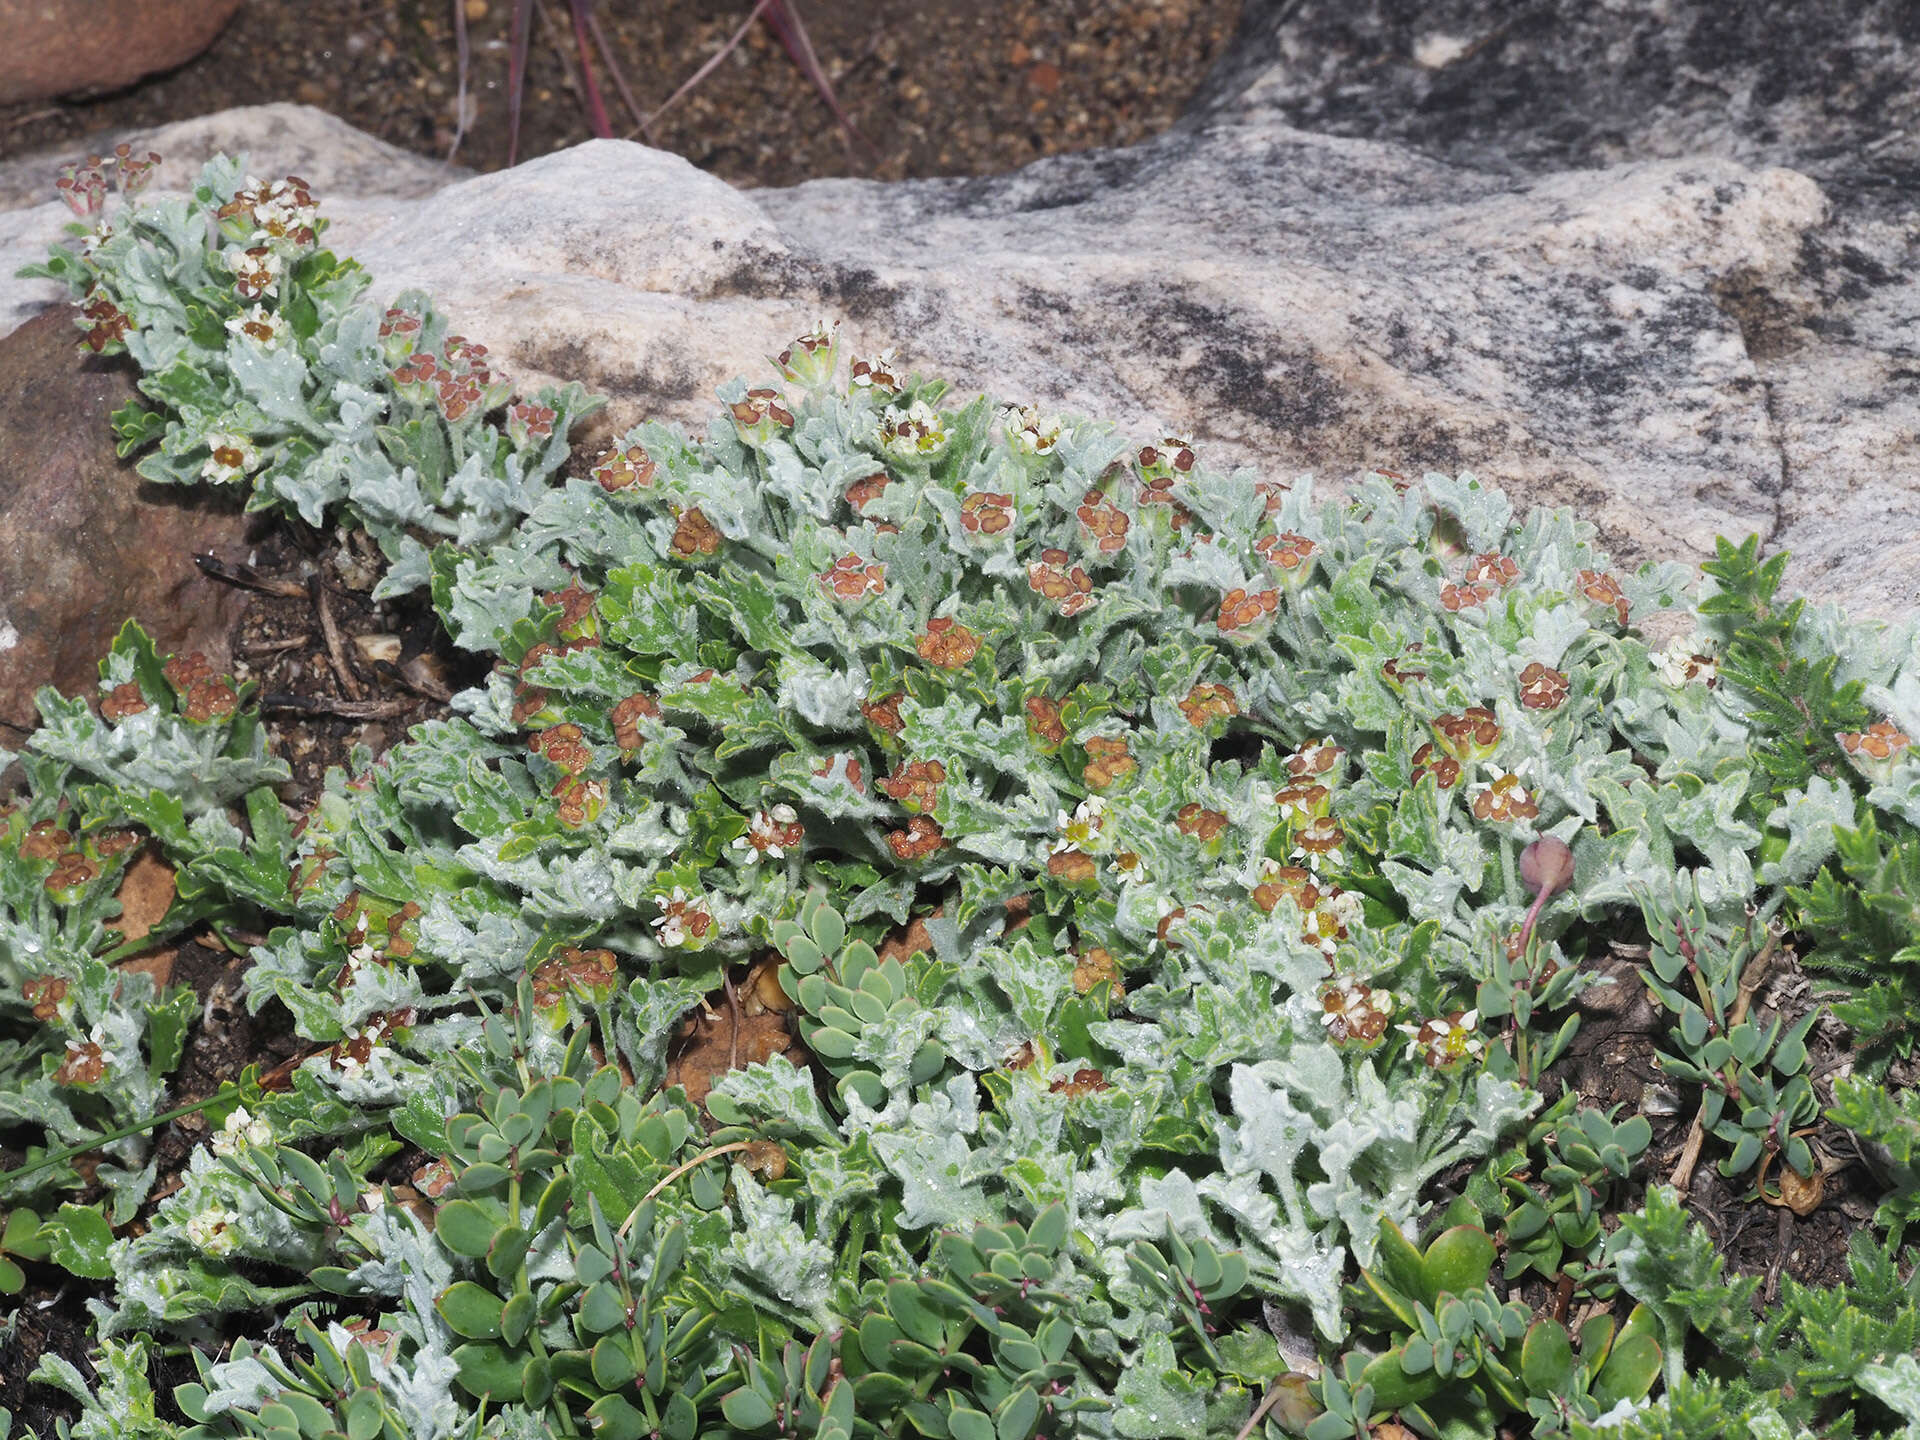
(926, 917)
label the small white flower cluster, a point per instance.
(259, 325)
(345, 1056)
(1029, 432)
(764, 836)
(212, 1231)
(1084, 829)
(915, 433)
(280, 210)
(1445, 1039)
(241, 1130)
(1681, 662)
(230, 457)
(684, 920)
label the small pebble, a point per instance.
(374, 648)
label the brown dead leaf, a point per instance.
(157, 963)
(913, 940)
(1800, 1193)
(762, 991)
(708, 1048)
(145, 895)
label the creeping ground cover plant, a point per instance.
(1173, 896)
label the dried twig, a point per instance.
(1783, 1236)
(245, 577)
(277, 647)
(336, 652)
(517, 75)
(33, 115)
(760, 8)
(733, 1017)
(783, 18)
(1271, 1399)
(596, 107)
(419, 685)
(344, 709)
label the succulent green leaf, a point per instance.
(471, 1310)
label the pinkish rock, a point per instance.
(59, 47)
(84, 542)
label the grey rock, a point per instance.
(1563, 247)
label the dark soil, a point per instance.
(937, 87)
(51, 1317)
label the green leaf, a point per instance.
(471, 1310)
(602, 1309)
(613, 1365)
(613, 1418)
(466, 1228)
(488, 1371)
(168, 1021)
(1546, 1358)
(79, 1239)
(517, 1317)
(747, 1410)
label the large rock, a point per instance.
(84, 542)
(1682, 317)
(59, 47)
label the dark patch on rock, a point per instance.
(1769, 324)
(1247, 369)
(1533, 85)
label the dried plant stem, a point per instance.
(683, 1167)
(336, 652)
(245, 577)
(760, 8)
(464, 52)
(1271, 1399)
(343, 709)
(619, 76)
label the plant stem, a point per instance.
(60, 1157)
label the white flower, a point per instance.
(256, 272)
(347, 1060)
(212, 1231)
(1349, 907)
(915, 433)
(1683, 660)
(1029, 432)
(259, 325)
(241, 1130)
(765, 834)
(878, 372)
(1083, 829)
(683, 920)
(1445, 1039)
(230, 457)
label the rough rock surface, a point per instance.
(1593, 254)
(84, 542)
(58, 47)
